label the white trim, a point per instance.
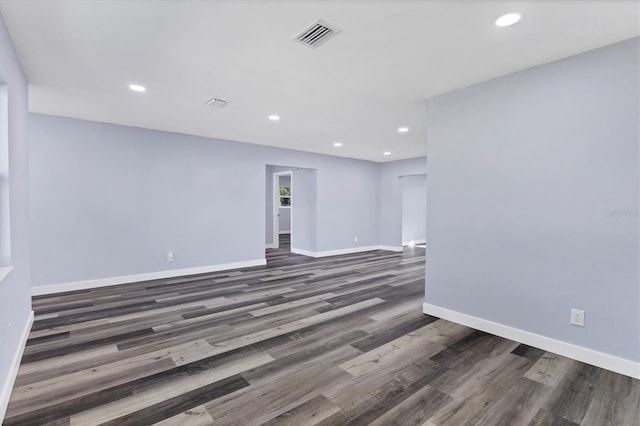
(346, 251)
(104, 282)
(284, 232)
(270, 246)
(4, 271)
(304, 252)
(275, 211)
(420, 241)
(390, 248)
(13, 370)
(580, 353)
(343, 251)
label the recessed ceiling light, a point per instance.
(274, 117)
(508, 19)
(337, 144)
(387, 153)
(137, 88)
(403, 129)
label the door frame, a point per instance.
(276, 206)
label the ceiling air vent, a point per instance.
(215, 102)
(316, 34)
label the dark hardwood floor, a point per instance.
(301, 341)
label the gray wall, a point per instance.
(284, 220)
(533, 200)
(111, 200)
(15, 294)
(338, 200)
(414, 207)
(304, 226)
(285, 181)
(390, 193)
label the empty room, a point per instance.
(308, 212)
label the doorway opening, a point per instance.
(290, 211)
(282, 210)
(414, 210)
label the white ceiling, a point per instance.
(358, 88)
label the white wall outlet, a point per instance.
(170, 256)
(577, 317)
(355, 239)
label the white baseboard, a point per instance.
(420, 241)
(4, 272)
(13, 371)
(284, 232)
(303, 252)
(339, 252)
(104, 282)
(390, 248)
(589, 356)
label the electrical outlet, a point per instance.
(577, 317)
(170, 256)
(355, 239)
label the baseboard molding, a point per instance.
(104, 282)
(4, 272)
(304, 252)
(340, 252)
(390, 248)
(284, 232)
(579, 353)
(420, 241)
(13, 372)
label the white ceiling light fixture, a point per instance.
(337, 144)
(386, 153)
(137, 88)
(274, 117)
(508, 19)
(403, 129)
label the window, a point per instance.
(285, 196)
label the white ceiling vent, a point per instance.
(316, 34)
(216, 102)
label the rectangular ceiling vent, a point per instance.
(316, 34)
(216, 102)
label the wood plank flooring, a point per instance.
(301, 341)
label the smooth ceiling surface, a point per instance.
(358, 88)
